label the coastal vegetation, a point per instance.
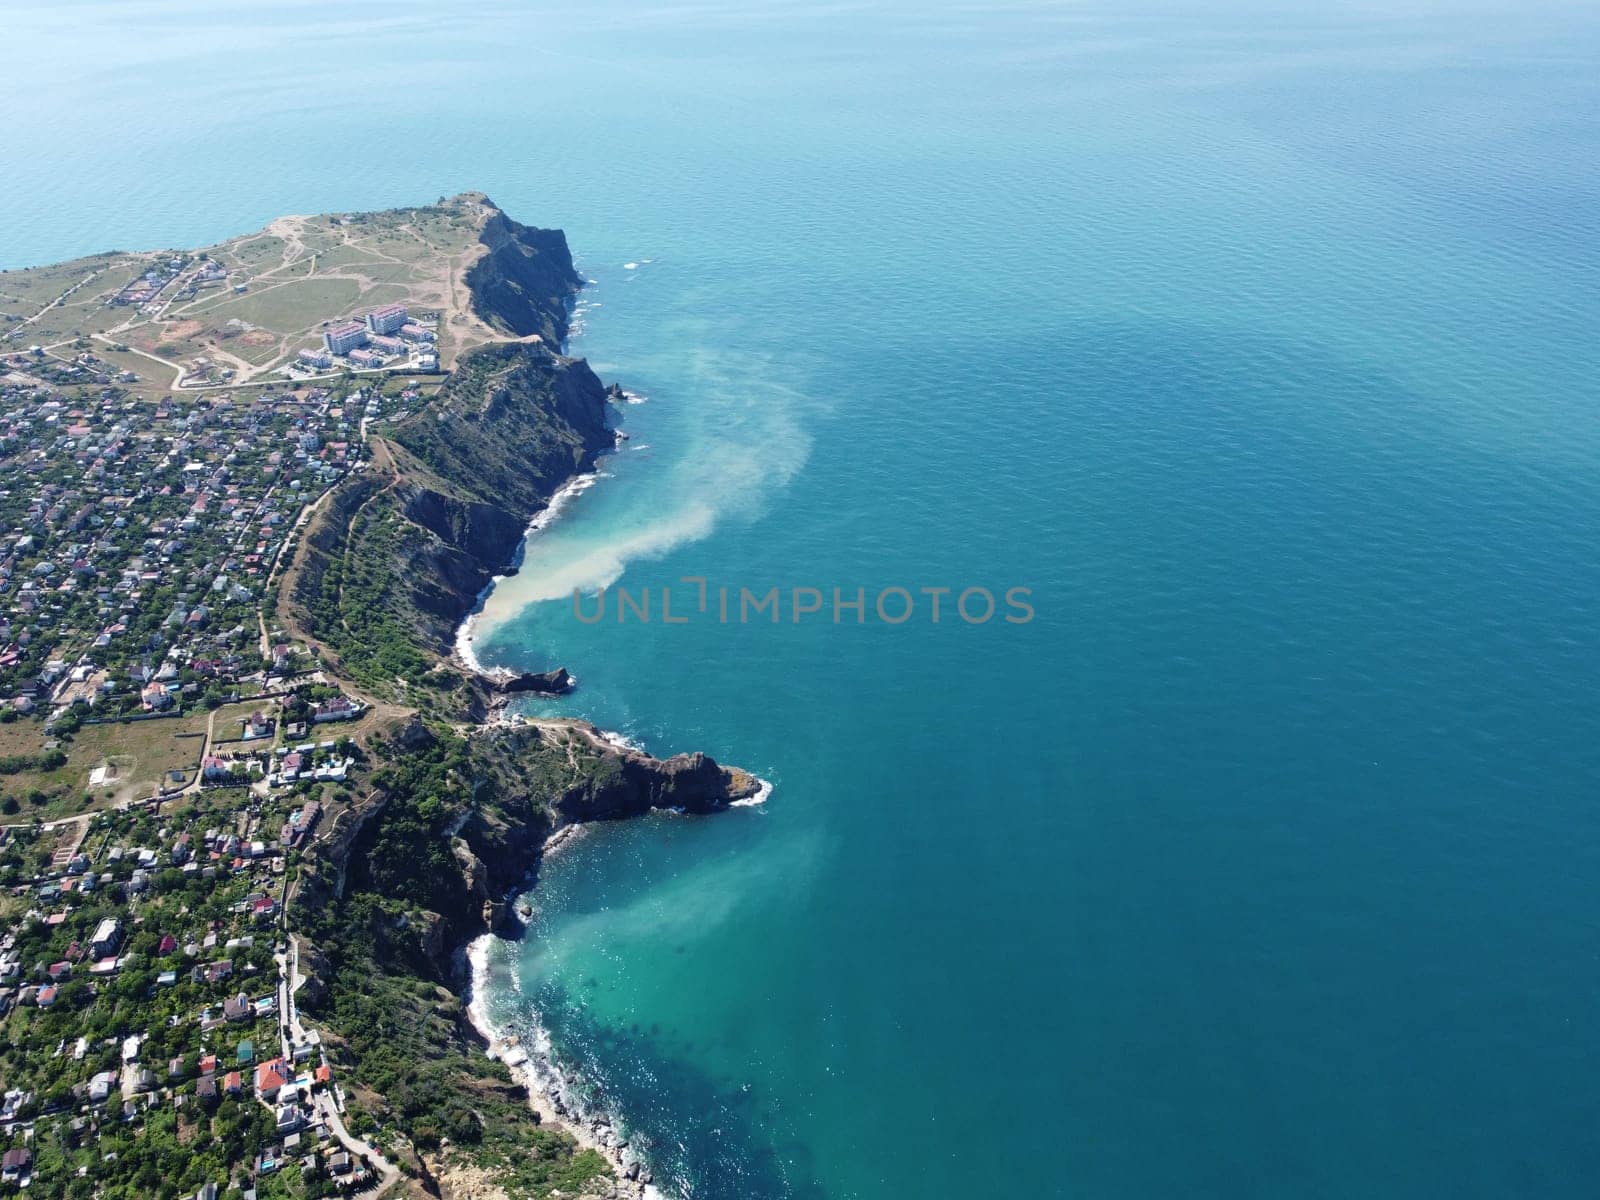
(252, 814)
(410, 895)
(396, 558)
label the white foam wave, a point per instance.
(532, 1060)
(477, 988)
(620, 741)
(564, 495)
(760, 797)
(574, 487)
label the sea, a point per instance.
(1254, 340)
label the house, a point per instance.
(46, 995)
(100, 1086)
(340, 708)
(237, 1008)
(233, 1083)
(107, 938)
(215, 770)
(271, 1078)
(16, 1164)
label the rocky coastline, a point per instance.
(687, 783)
(523, 286)
(465, 801)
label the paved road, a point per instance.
(291, 1029)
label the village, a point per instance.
(166, 750)
(147, 984)
(217, 799)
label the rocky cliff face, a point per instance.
(525, 280)
(542, 778)
(399, 555)
(509, 429)
(527, 782)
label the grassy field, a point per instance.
(24, 293)
(284, 307)
(228, 728)
(141, 751)
(300, 272)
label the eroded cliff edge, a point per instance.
(453, 814)
(399, 555)
(457, 823)
(524, 282)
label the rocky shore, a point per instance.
(691, 783)
(552, 1090)
(514, 431)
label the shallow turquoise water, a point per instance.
(1259, 344)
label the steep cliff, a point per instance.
(511, 426)
(524, 282)
(455, 823)
(543, 778)
(399, 554)
(450, 817)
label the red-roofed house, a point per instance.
(271, 1078)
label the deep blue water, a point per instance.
(1258, 340)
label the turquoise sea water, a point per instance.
(1258, 340)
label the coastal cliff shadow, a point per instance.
(703, 1137)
